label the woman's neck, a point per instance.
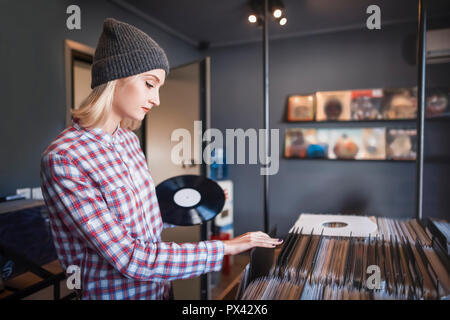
(110, 125)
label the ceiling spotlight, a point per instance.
(277, 13)
(277, 8)
(256, 11)
(252, 18)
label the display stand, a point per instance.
(36, 279)
(35, 271)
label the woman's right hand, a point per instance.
(250, 240)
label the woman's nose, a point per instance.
(154, 100)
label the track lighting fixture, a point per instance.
(256, 13)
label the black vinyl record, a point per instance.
(188, 200)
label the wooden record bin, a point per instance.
(231, 286)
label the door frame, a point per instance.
(74, 51)
(205, 117)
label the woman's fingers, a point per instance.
(266, 244)
(259, 235)
(250, 240)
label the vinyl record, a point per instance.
(188, 200)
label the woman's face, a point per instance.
(134, 96)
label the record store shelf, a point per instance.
(441, 117)
(386, 121)
(411, 122)
(352, 160)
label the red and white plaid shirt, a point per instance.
(105, 218)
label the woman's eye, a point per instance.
(148, 84)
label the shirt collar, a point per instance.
(99, 134)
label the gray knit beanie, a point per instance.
(123, 51)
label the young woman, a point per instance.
(96, 184)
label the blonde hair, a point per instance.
(98, 104)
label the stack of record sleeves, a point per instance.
(410, 229)
(404, 260)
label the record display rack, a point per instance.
(442, 116)
(351, 160)
(310, 122)
(419, 120)
(411, 256)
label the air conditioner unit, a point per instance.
(438, 46)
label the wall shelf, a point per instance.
(441, 117)
(354, 121)
(351, 160)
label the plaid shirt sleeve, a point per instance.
(83, 210)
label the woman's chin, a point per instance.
(138, 117)
(142, 114)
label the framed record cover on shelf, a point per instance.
(297, 142)
(437, 102)
(301, 108)
(346, 143)
(366, 104)
(401, 144)
(319, 150)
(306, 143)
(373, 144)
(333, 105)
(399, 103)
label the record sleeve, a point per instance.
(374, 144)
(366, 104)
(400, 103)
(333, 105)
(301, 108)
(297, 142)
(437, 101)
(306, 143)
(345, 144)
(401, 144)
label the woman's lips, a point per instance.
(146, 109)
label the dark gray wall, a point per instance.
(32, 87)
(32, 94)
(345, 60)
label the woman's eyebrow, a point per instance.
(152, 75)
